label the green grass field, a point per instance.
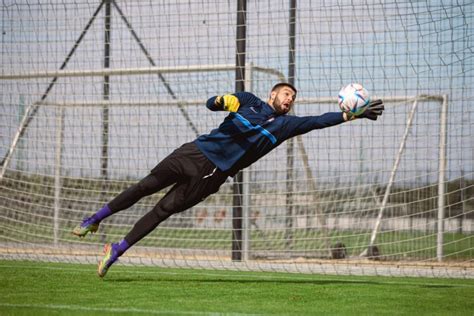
(32, 288)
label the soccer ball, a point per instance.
(353, 98)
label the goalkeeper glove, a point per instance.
(372, 112)
(228, 102)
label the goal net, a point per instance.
(95, 93)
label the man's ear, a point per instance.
(272, 96)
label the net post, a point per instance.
(246, 184)
(441, 177)
(106, 89)
(391, 180)
(290, 146)
(239, 86)
(104, 159)
(57, 173)
(245, 214)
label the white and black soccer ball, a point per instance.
(353, 98)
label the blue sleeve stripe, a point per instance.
(256, 127)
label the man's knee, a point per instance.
(162, 213)
(147, 185)
(171, 203)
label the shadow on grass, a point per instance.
(146, 279)
(242, 280)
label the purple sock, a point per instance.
(104, 212)
(123, 246)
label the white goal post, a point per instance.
(442, 100)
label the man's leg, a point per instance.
(143, 227)
(147, 186)
(173, 169)
(180, 198)
(170, 170)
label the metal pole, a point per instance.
(104, 170)
(441, 176)
(292, 43)
(246, 184)
(290, 145)
(245, 214)
(239, 86)
(148, 71)
(106, 93)
(57, 174)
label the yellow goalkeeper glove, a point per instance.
(228, 102)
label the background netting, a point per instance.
(94, 94)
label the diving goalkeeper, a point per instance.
(197, 169)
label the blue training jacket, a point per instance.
(253, 131)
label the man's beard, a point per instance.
(277, 105)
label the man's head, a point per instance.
(282, 97)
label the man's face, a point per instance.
(282, 100)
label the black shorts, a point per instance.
(194, 177)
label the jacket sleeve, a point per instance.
(298, 125)
(210, 104)
(244, 98)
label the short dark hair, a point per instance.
(284, 84)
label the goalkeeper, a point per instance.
(197, 169)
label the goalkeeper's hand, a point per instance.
(228, 102)
(372, 112)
